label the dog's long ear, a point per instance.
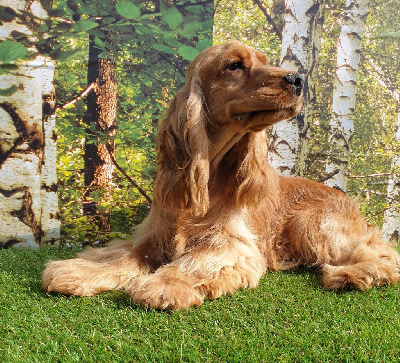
(182, 147)
(253, 173)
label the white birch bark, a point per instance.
(391, 218)
(28, 203)
(345, 91)
(301, 43)
(50, 222)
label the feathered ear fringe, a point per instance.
(254, 175)
(182, 179)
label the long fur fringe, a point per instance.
(221, 216)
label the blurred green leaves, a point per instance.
(171, 15)
(127, 9)
(11, 51)
(152, 44)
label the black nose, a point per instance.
(296, 81)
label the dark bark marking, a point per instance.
(10, 193)
(26, 216)
(328, 176)
(289, 56)
(48, 105)
(313, 10)
(32, 136)
(50, 188)
(9, 243)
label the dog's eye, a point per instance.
(235, 66)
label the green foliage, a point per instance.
(11, 51)
(84, 25)
(287, 318)
(152, 43)
(376, 112)
(244, 21)
(8, 91)
(171, 15)
(188, 52)
(389, 35)
(151, 48)
(127, 9)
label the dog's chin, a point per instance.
(259, 120)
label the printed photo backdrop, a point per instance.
(83, 85)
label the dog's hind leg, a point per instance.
(334, 236)
(373, 262)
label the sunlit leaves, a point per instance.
(244, 21)
(391, 35)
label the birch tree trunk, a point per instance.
(391, 218)
(301, 45)
(341, 126)
(28, 200)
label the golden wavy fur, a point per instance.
(221, 216)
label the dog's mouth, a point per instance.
(244, 122)
(249, 115)
(240, 116)
(264, 118)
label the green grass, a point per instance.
(288, 318)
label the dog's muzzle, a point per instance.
(296, 82)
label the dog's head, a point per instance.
(240, 88)
(229, 91)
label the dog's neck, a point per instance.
(222, 139)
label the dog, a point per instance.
(221, 216)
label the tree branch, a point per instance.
(384, 81)
(271, 22)
(131, 180)
(76, 99)
(328, 176)
(375, 175)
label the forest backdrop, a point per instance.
(119, 63)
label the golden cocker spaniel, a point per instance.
(221, 216)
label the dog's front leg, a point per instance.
(208, 270)
(97, 270)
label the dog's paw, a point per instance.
(348, 277)
(165, 292)
(69, 278)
